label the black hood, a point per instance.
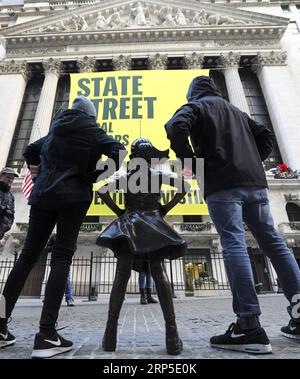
(202, 86)
(71, 121)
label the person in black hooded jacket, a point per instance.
(231, 143)
(65, 163)
(233, 147)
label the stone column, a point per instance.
(43, 115)
(217, 262)
(230, 64)
(157, 62)
(296, 14)
(283, 103)
(13, 79)
(86, 64)
(122, 63)
(193, 61)
(2, 48)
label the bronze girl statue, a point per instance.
(140, 230)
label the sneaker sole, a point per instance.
(253, 348)
(291, 336)
(48, 353)
(4, 344)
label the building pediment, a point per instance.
(118, 27)
(150, 14)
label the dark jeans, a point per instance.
(145, 280)
(69, 288)
(228, 209)
(41, 223)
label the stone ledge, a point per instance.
(289, 227)
(284, 183)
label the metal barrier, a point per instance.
(194, 274)
(6, 266)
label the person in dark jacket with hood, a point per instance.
(233, 147)
(66, 159)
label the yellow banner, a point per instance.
(133, 104)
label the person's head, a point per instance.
(85, 105)
(202, 86)
(143, 148)
(7, 176)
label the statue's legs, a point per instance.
(117, 295)
(164, 292)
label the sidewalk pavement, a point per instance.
(141, 328)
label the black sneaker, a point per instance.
(235, 338)
(292, 330)
(7, 339)
(45, 347)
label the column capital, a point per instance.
(86, 64)
(229, 60)
(158, 62)
(214, 244)
(293, 8)
(193, 61)
(121, 62)
(13, 67)
(52, 66)
(236, 93)
(272, 58)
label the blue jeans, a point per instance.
(69, 289)
(145, 280)
(228, 209)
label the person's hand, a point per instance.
(34, 171)
(3, 239)
(187, 173)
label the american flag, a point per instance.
(27, 185)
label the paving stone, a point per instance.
(141, 329)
